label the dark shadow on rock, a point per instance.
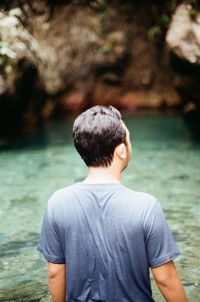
(19, 112)
(186, 83)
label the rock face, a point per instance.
(61, 57)
(183, 36)
(19, 90)
(16, 45)
(183, 40)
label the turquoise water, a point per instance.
(165, 162)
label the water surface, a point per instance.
(165, 162)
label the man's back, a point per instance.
(109, 236)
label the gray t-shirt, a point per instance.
(108, 236)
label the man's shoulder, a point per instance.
(62, 194)
(121, 193)
(142, 197)
(141, 204)
(67, 189)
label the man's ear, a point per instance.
(121, 151)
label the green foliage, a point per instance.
(192, 2)
(162, 16)
(172, 6)
(111, 36)
(156, 30)
(192, 13)
(108, 42)
(5, 50)
(5, 12)
(105, 48)
(193, 8)
(165, 18)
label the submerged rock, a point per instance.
(26, 291)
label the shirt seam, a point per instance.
(48, 256)
(175, 253)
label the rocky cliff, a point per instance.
(183, 40)
(63, 56)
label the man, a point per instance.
(99, 237)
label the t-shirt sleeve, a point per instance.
(161, 247)
(50, 244)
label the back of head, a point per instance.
(96, 133)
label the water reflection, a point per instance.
(165, 163)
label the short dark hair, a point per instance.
(96, 133)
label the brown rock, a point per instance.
(183, 36)
(106, 95)
(72, 102)
(134, 100)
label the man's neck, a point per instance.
(102, 175)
